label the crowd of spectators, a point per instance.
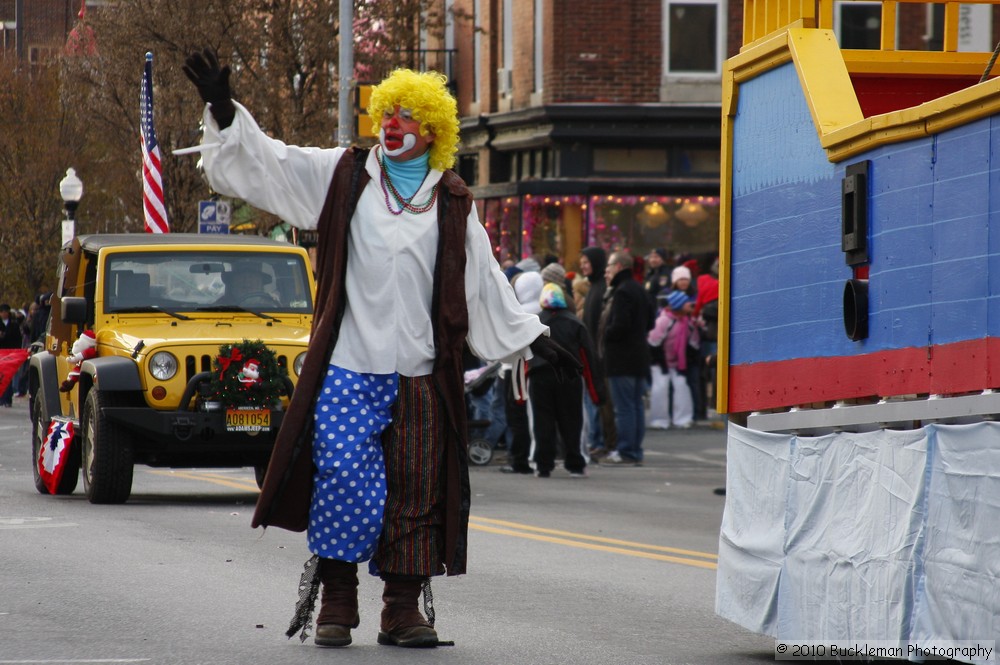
(645, 330)
(19, 329)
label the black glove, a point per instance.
(561, 360)
(213, 84)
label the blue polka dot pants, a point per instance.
(349, 487)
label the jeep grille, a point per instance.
(203, 363)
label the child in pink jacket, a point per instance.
(676, 331)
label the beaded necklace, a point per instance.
(404, 203)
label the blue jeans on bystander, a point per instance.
(592, 430)
(627, 394)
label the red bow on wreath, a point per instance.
(224, 362)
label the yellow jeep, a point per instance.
(160, 307)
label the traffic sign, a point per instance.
(223, 212)
(214, 216)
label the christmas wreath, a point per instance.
(247, 374)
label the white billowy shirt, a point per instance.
(390, 266)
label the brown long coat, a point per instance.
(284, 500)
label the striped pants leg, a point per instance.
(412, 539)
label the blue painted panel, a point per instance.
(804, 253)
(786, 224)
(963, 151)
(961, 234)
(962, 238)
(899, 328)
(778, 263)
(958, 320)
(775, 139)
(901, 232)
(809, 218)
(790, 319)
(900, 288)
(992, 196)
(934, 262)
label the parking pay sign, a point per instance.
(213, 216)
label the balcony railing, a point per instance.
(764, 17)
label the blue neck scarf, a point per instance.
(407, 176)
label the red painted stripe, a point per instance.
(884, 94)
(948, 369)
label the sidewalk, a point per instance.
(662, 446)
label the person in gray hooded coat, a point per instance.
(599, 420)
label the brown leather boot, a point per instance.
(402, 623)
(338, 612)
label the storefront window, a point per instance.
(553, 225)
(537, 225)
(502, 219)
(640, 224)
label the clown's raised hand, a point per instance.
(212, 82)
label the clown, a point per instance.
(378, 413)
(83, 348)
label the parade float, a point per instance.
(859, 358)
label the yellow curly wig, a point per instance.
(426, 95)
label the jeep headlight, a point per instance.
(163, 365)
(300, 360)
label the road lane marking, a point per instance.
(599, 539)
(600, 548)
(225, 481)
(32, 523)
(578, 540)
(501, 527)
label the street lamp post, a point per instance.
(71, 190)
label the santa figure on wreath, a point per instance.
(250, 374)
(83, 348)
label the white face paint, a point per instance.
(409, 140)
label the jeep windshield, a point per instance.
(205, 281)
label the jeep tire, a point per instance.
(39, 431)
(107, 451)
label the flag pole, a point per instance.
(345, 101)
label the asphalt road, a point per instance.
(617, 568)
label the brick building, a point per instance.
(36, 31)
(592, 123)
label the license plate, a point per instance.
(248, 420)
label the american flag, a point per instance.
(152, 182)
